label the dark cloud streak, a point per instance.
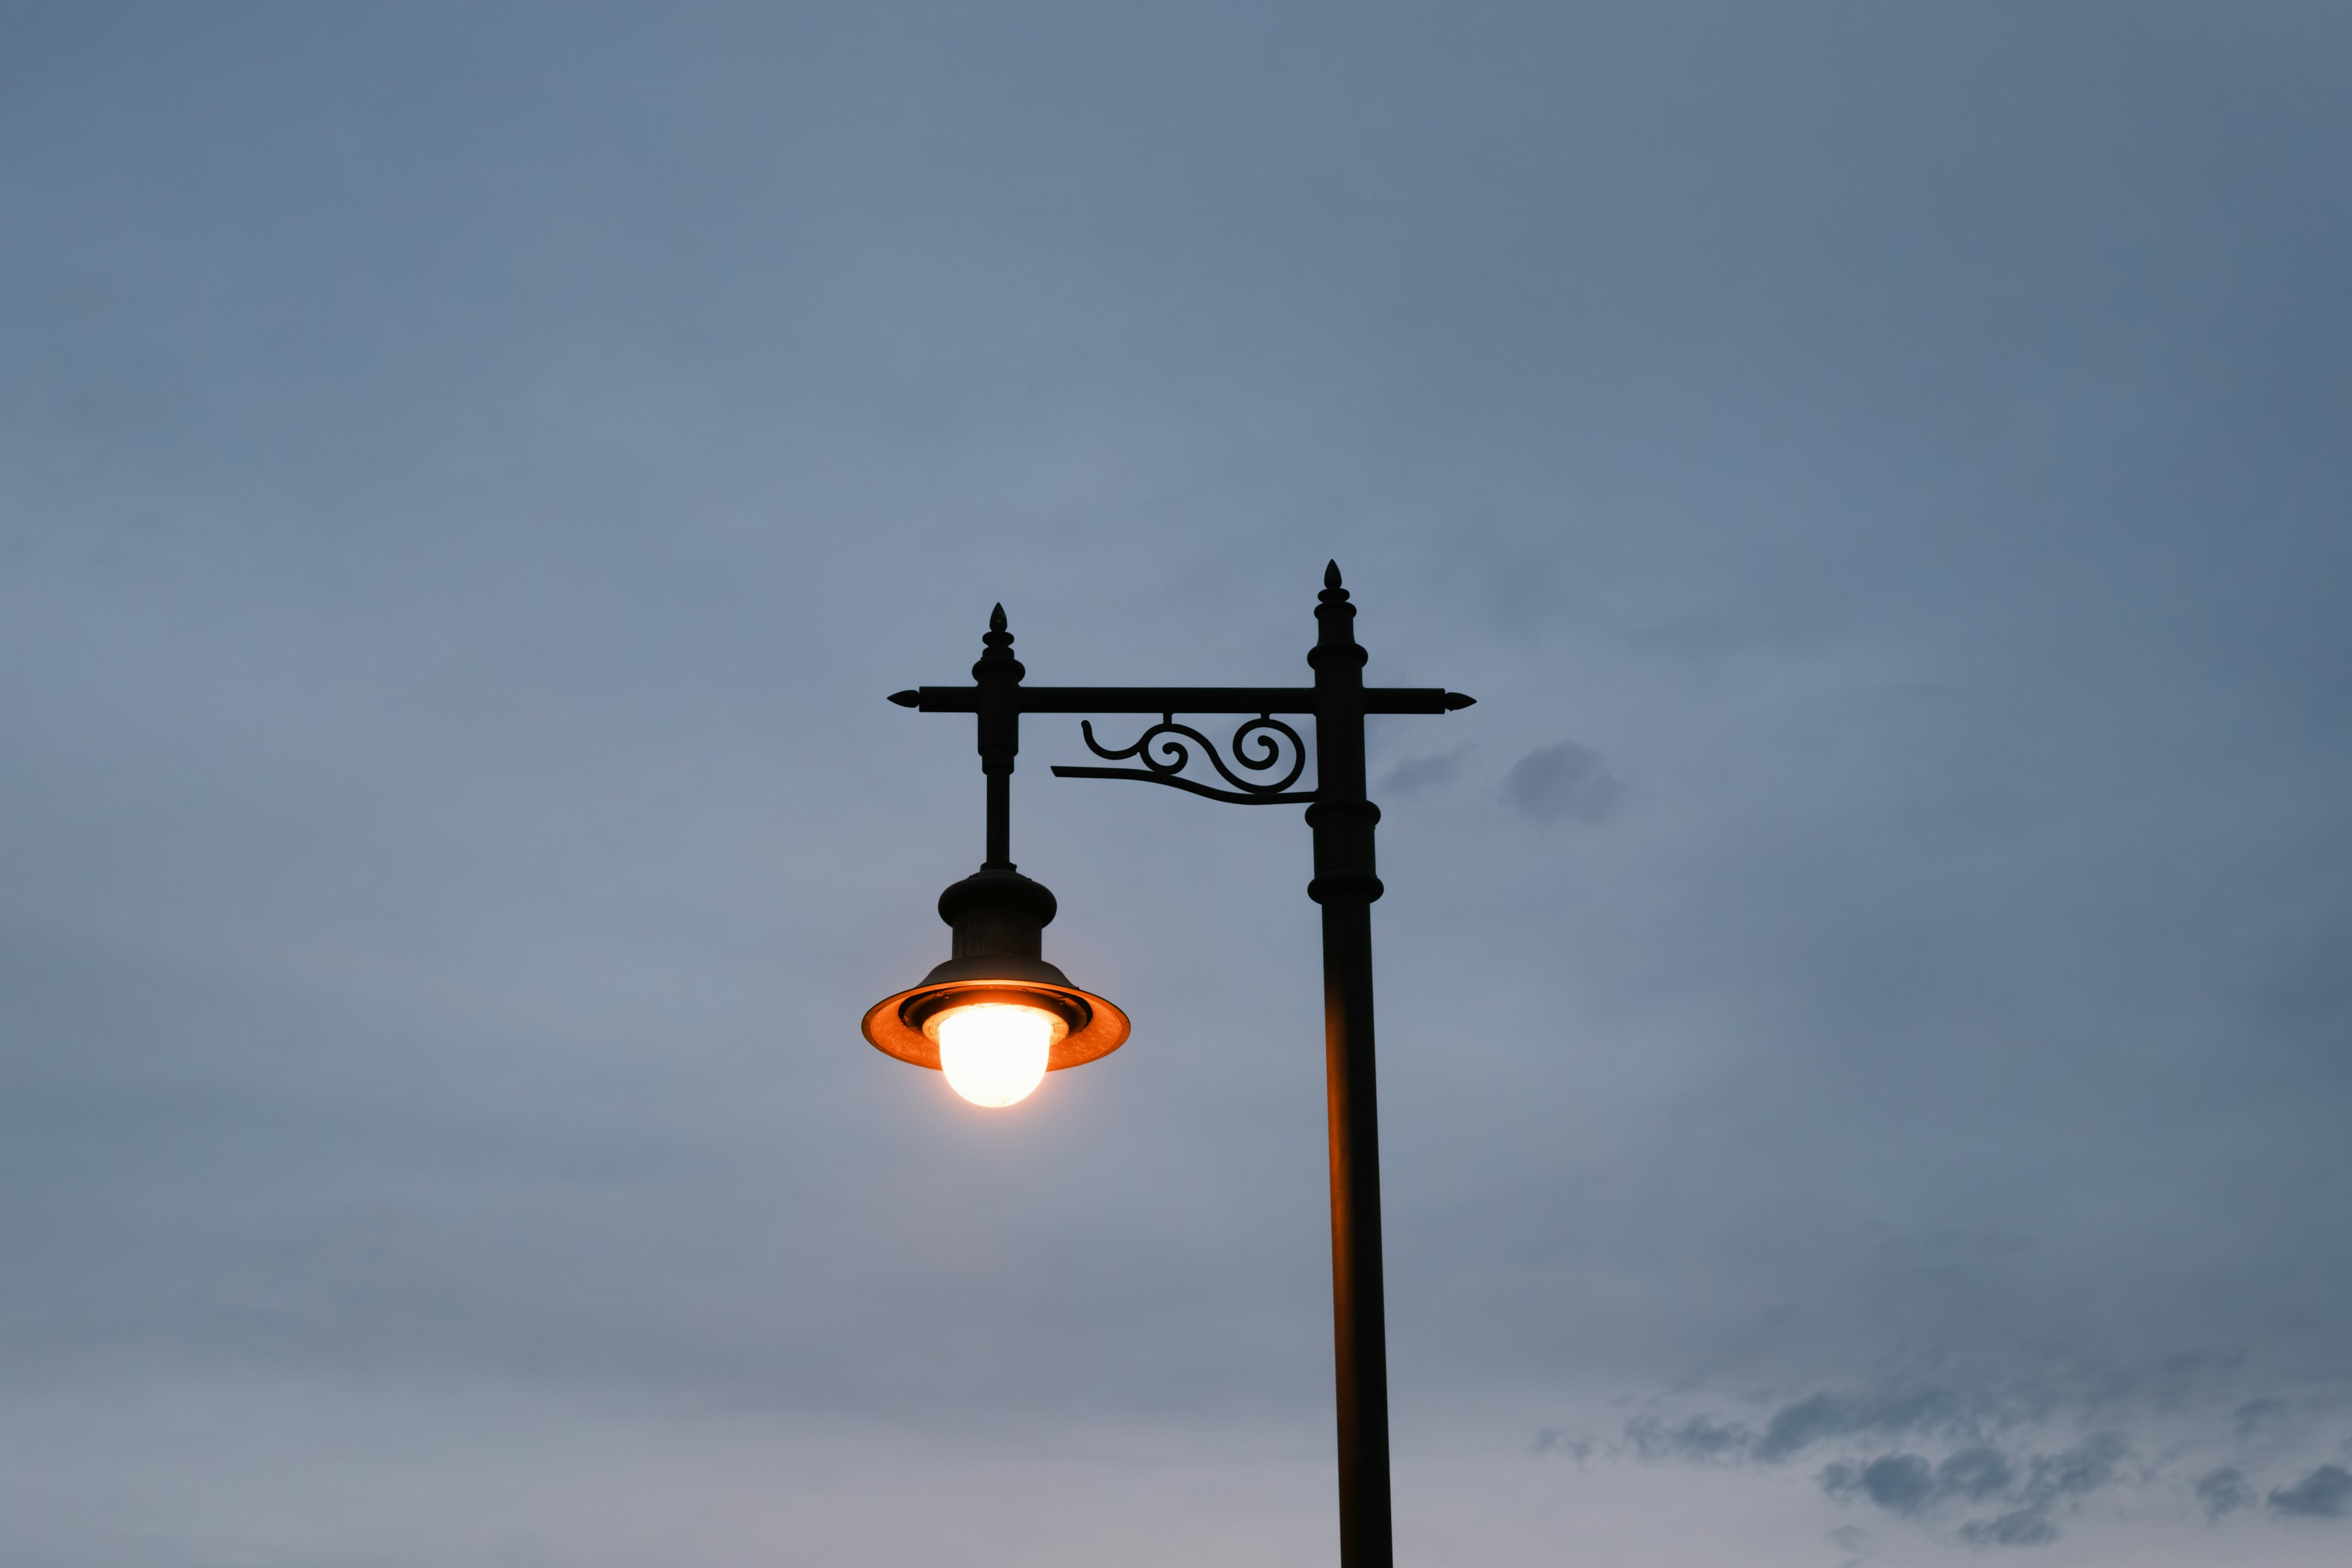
(1563, 782)
(2324, 1493)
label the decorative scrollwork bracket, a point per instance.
(1254, 747)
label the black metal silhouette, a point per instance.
(1164, 769)
(1345, 883)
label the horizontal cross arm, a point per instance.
(1178, 698)
(1168, 699)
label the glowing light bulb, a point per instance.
(994, 1052)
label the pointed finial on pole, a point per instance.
(996, 645)
(1335, 615)
(1332, 593)
(998, 641)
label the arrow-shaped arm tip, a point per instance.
(1454, 701)
(906, 698)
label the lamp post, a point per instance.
(996, 1017)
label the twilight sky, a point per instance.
(1866, 995)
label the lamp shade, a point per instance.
(999, 917)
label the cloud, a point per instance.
(1821, 1416)
(2224, 1492)
(2021, 1527)
(1563, 783)
(1899, 1483)
(1908, 1485)
(2082, 1469)
(1977, 1464)
(1698, 1441)
(1552, 1440)
(2255, 1415)
(2324, 1493)
(1417, 775)
(1974, 1473)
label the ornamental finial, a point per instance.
(996, 647)
(1336, 617)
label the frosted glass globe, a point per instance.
(994, 1052)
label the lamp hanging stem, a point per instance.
(998, 677)
(1000, 820)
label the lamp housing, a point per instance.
(999, 917)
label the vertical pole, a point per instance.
(1345, 885)
(998, 674)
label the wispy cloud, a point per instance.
(2223, 1491)
(1562, 783)
(2324, 1493)
(1429, 773)
(1991, 1465)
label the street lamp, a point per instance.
(996, 1017)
